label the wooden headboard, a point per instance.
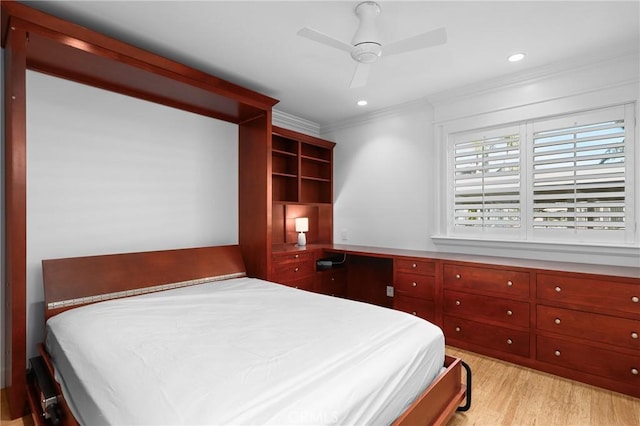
(77, 281)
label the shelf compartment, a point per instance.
(284, 187)
(316, 191)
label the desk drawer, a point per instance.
(486, 335)
(306, 283)
(293, 257)
(475, 306)
(602, 328)
(584, 358)
(589, 292)
(413, 285)
(420, 267)
(513, 283)
(419, 307)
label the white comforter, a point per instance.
(241, 351)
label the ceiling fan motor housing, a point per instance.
(366, 48)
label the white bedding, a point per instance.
(241, 351)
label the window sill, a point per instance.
(620, 255)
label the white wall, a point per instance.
(383, 178)
(109, 173)
(388, 166)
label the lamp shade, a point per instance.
(302, 224)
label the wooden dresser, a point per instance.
(578, 321)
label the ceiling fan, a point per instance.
(366, 48)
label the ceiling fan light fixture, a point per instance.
(367, 52)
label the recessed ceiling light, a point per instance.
(516, 57)
(362, 102)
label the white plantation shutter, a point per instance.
(486, 181)
(567, 178)
(579, 173)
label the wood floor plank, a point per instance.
(508, 394)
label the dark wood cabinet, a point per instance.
(295, 268)
(414, 285)
(333, 282)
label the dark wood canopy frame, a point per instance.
(33, 40)
(36, 41)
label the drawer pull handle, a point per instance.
(557, 320)
(458, 303)
(634, 371)
(510, 283)
(509, 313)
(458, 329)
(296, 270)
(557, 353)
(635, 299)
(414, 313)
(509, 342)
(333, 279)
(634, 335)
(414, 265)
(296, 256)
(414, 284)
(458, 276)
(558, 289)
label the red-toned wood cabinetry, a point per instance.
(414, 285)
(487, 307)
(591, 325)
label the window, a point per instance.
(560, 178)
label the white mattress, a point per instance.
(241, 351)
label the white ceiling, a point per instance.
(254, 44)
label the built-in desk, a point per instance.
(580, 321)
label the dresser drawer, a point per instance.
(504, 281)
(584, 358)
(413, 285)
(603, 328)
(421, 267)
(419, 307)
(293, 257)
(589, 292)
(488, 336)
(475, 306)
(333, 282)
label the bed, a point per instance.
(185, 337)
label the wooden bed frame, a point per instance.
(74, 282)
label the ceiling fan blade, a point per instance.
(360, 75)
(421, 41)
(319, 37)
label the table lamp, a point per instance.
(302, 226)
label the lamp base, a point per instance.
(302, 239)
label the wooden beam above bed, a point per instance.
(72, 52)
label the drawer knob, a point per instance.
(509, 313)
(333, 279)
(635, 299)
(557, 353)
(557, 320)
(458, 303)
(458, 276)
(296, 270)
(510, 283)
(634, 335)
(458, 329)
(558, 289)
(509, 342)
(413, 265)
(296, 256)
(414, 313)
(634, 371)
(414, 284)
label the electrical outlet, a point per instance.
(390, 291)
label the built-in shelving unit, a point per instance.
(302, 185)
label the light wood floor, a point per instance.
(507, 394)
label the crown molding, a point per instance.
(527, 77)
(292, 122)
(379, 114)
